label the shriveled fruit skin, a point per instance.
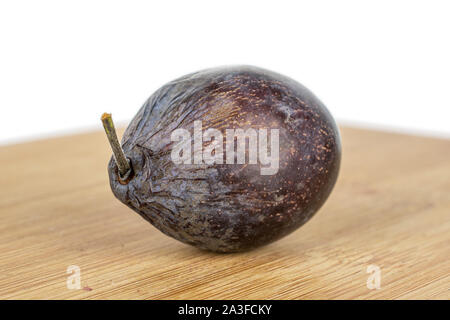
(230, 208)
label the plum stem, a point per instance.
(122, 162)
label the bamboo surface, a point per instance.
(389, 209)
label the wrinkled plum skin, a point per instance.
(230, 208)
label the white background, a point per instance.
(63, 63)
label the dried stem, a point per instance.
(122, 162)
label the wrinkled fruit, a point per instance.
(229, 207)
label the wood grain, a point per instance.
(390, 208)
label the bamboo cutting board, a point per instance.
(389, 214)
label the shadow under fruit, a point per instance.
(227, 207)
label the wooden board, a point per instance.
(390, 209)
